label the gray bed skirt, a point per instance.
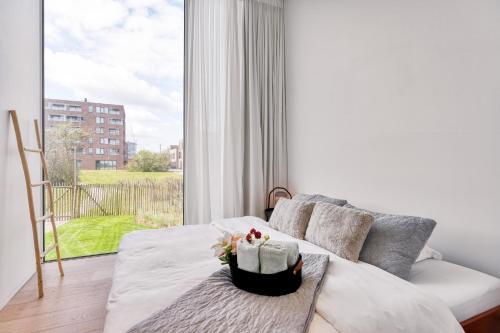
(216, 305)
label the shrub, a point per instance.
(148, 161)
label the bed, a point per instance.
(471, 295)
(151, 272)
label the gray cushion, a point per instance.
(395, 241)
(291, 217)
(339, 230)
(319, 198)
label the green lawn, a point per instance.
(116, 176)
(92, 235)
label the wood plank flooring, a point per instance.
(72, 304)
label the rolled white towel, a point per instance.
(293, 253)
(248, 256)
(292, 250)
(273, 257)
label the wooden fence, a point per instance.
(88, 200)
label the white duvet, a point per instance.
(155, 267)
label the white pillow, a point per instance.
(429, 253)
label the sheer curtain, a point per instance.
(235, 130)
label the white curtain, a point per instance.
(235, 130)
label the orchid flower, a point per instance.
(226, 245)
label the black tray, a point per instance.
(277, 284)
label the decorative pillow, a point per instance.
(339, 230)
(291, 217)
(395, 241)
(319, 198)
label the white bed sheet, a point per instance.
(155, 267)
(466, 292)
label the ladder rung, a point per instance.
(45, 182)
(32, 150)
(47, 250)
(43, 218)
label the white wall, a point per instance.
(395, 106)
(20, 89)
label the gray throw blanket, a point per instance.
(216, 305)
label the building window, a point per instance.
(89, 151)
(103, 165)
(114, 111)
(114, 151)
(74, 118)
(104, 141)
(114, 131)
(78, 164)
(99, 120)
(75, 108)
(79, 151)
(99, 130)
(115, 142)
(56, 117)
(101, 109)
(99, 151)
(91, 139)
(58, 107)
(116, 121)
(91, 108)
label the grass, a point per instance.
(160, 220)
(117, 176)
(93, 235)
(96, 235)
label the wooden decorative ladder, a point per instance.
(29, 189)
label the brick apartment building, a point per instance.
(103, 123)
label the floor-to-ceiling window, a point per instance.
(113, 118)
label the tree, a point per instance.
(148, 161)
(60, 144)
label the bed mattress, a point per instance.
(155, 267)
(466, 292)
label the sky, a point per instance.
(126, 52)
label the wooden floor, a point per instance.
(75, 304)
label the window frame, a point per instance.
(44, 122)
